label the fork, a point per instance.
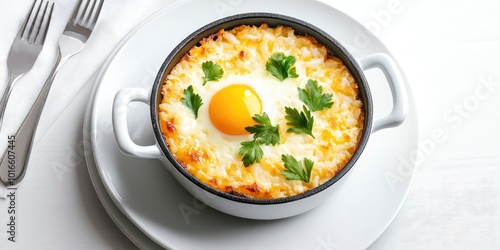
(26, 47)
(73, 39)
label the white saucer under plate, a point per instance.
(126, 226)
(146, 193)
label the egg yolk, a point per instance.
(232, 108)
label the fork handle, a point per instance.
(15, 160)
(11, 80)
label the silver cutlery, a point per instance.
(26, 47)
(73, 39)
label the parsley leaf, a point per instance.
(191, 100)
(313, 97)
(264, 132)
(295, 171)
(280, 66)
(251, 152)
(212, 71)
(300, 123)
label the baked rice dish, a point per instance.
(261, 112)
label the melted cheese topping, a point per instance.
(212, 156)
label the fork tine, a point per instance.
(25, 23)
(39, 25)
(82, 13)
(33, 18)
(89, 14)
(44, 27)
(96, 15)
(75, 12)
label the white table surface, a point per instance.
(449, 50)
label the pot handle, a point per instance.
(398, 90)
(120, 126)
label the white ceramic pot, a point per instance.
(243, 206)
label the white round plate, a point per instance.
(126, 226)
(147, 194)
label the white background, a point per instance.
(449, 50)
